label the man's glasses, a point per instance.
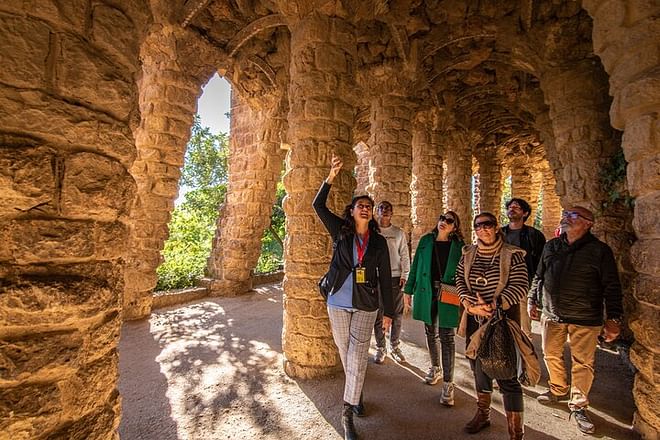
(448, 220)
(484, 225)
(360, 207)
(573, 215)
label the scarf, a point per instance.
(490, 249)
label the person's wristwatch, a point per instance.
(617, 321)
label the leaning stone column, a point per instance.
(625, 38)
(426, 184)
(490, 180)
(391, 155)
(255, 166)
(458, 158)
(362, 168)
(168, 101)
(521, 178)
(323, 52)
(66, 144)
(551, 204)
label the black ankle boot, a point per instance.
(358, 409)
(347, 422)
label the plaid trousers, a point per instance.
(351, 330)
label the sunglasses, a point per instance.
(484, 225)
(448, 220)
(573, 215)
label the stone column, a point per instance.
(490, 180)
(323, 52)
(391, 155)
(67, 100)
(551, 205)
(255, 166)
(168, 101)
(625, 38)
(362, 168)
(458, 158)
(426, 184)
(521, 178)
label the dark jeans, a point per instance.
(395, 330)
(510, 388)
(441, 340)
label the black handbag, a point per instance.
(497, 352)
(325, 286)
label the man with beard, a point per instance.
(528, 238)
(576, 284)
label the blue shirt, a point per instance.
(343, 298)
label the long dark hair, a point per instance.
(456, 234)
(349, 222)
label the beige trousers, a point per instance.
(582, 341)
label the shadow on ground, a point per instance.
(212, 369)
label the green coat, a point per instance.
(419, 282)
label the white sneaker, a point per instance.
(433, 376)
(379, 357)
(398, 356)
(447, 396)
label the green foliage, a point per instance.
(193, 222)
(272, 250)
(506, 196)
(613, 181)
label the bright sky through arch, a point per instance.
(214, 103)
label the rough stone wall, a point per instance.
(68, 105)
(458, 158)
(168, 101)
(255, 166)
(426, 186)
(320, 120)
(625, 37)
(391, 155)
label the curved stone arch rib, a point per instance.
(401, 41)
(451, 41)
(192, 9)
(267, 70)
(252, 29)
(481, 90)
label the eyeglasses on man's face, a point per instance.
(446, 219)
(573, 215)
(515, 206)
(487, 225)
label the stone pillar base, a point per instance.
(297, 371)
(226, 288)
(138, 308)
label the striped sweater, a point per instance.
(503, 273)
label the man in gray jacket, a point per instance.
(400, 264)
(576, 284)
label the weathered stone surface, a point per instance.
(26, 174)
(25, 64)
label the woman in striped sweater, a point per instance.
(492, 272)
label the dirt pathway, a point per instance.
(212, 369)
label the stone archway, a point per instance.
(91, 176)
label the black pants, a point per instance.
(510, 388)
(441, 340)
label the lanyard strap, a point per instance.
(361, 247)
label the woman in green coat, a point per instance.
(436, 258)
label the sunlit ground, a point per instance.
(212, 369)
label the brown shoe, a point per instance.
(481, 419)
(516, 427)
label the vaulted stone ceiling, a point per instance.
(476, 62)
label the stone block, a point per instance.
(644, 325)
(641, 137)
(26, 47)
(647, 289)
(309, 351)
(645, 257)
(330, 59)
(31, 405)
(319, 108)
(27, 355)
(116, 34)
(637, 97)
(644, 175)
(647, 362)
(44, 295)
(309, 326)
(647, 402)
(26, 179)
(85, 76)
(93, 386)
(646, 219)
(95, 186)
